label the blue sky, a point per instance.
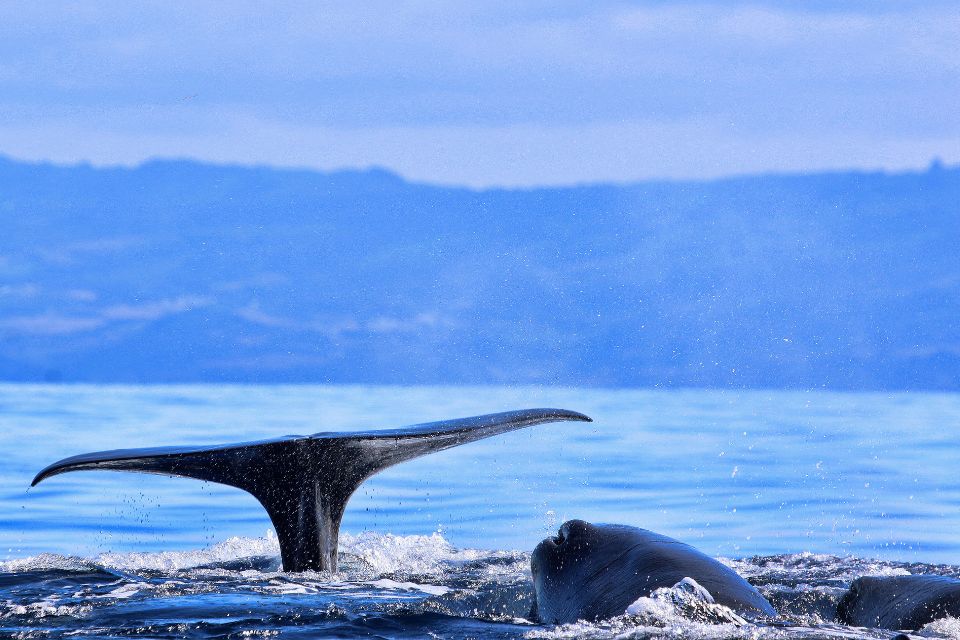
(488, 93)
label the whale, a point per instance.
(595, 571)
(304, 482)
(899, 602)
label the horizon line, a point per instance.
(936, 164)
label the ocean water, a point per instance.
(799, 491)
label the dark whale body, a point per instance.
(899, 602)
(304, 482)
(592, 572)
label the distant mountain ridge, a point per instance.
(178, 271)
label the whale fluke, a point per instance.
(304, 482)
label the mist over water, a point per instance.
(808, 488)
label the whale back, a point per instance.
(593, 572)
(899, 602)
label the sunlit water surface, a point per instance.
(799, 491)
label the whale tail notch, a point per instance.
(304, 482)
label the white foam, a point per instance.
(837, 567)
(123, 592)
(432, 589)
(386, 553)
(942, 628)
(235, 548)
(686, 610)
(627, 627)
(290, 588)
(382, 553)
(47, 562)
(45, 608)
(686, 600)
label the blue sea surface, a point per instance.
(799, 491)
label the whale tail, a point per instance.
(304, 482)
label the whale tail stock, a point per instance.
(304, 482)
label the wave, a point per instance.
(402, 585)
